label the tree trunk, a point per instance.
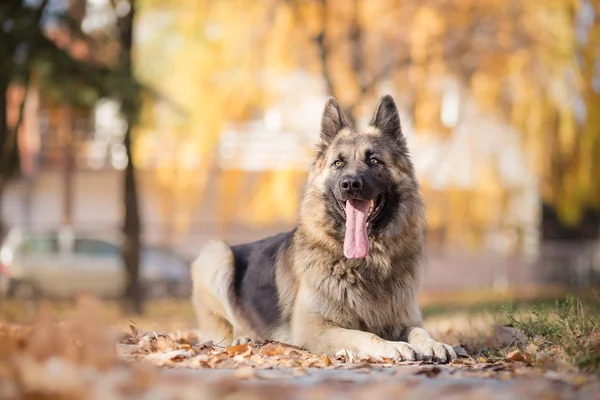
(2, 224)
(134, 292)
(131, 228)
(9, 152)
(66, 137)
(4, 133)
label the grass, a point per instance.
(491, 301)
(570, 329)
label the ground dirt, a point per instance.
(90, 351)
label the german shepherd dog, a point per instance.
(346, 278)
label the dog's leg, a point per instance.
(362, 345)
(212, 326)
(321, 337)
(318, 335)
(419, 338)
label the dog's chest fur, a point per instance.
(362, 294)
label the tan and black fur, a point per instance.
(299, 288)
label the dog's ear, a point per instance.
(386, 118)
(332, 121)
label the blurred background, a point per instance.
(133, 131)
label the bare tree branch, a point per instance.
(321, 41)
(12, 136)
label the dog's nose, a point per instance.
(351, 183)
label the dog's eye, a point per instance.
(337, 163)
(374, 161)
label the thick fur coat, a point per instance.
(347, 277)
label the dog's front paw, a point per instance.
(406, 351)
(438, 352)
(397, 351)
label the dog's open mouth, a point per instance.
(375, 207)
(359, 213)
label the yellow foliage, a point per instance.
(212, 60)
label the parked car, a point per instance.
(66, 262)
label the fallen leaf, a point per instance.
(271, 350)
(290, 351)
(284, 345)
(288, 363)
(165, 343)
(174, 355)
(326, 360)
(239, 349)
(462, 361)
(145, 343)
(519, 356)
(215, 361)
(257, 359)
(134, 329)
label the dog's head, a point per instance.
(365, 179)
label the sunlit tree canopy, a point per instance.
(533, 66)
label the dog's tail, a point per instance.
(213, 269)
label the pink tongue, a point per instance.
(356, 243)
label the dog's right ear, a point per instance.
(386, 118)
(332, 121)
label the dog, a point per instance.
(346, 279)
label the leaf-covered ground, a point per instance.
(83, 354)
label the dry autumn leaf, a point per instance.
(271, 349)
(326, 360)
(165, 343)
(235, 350)
(519, 356)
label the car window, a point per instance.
(39, 246)
(94, 247)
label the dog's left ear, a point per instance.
(386, 118)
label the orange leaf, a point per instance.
(272, 350)
(326, 360)
(519, 356)
(235, 350)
